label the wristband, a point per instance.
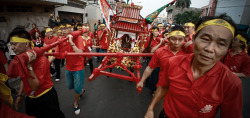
(72, 44)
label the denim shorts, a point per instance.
(75, 80)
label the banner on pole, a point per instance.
(106, 11)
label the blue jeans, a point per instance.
(75, 80)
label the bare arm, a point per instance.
(240, 75)
(156, 47)
(19, 95)
(159, 94)
(6, 66)
(145, 75)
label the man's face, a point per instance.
(63, 31)
(156, 33)
(59, 33)
(176, 42)
(33, 26)
(49, 34)
(18, 48)
(68, 30)
(160, 27)
(237, 43)
(211, 44)
(189, 30)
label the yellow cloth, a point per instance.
(68, 26)
(154, 30)
(241, 38)
(49, 30)
(5, 92)
(189, 24)
(41, 93)
(21, 40)
(176, 33)
(218, 22)
(159, 25)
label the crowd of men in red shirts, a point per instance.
(195, 68)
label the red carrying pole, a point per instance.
(101, 54)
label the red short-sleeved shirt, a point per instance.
(239, 63)
(188, 37)
(161, 56)
(74, 63)
(91, 35)
(154, 42)
(218, 88)
(104, 43)
(88, 45)
(41, 67)
(48, 41)
(3, 61)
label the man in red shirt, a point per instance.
(34, 29)
(104, 41)
(161, 29)
(74, 64)
(198, 84)
(237, 59)
(176, 41)
(189, 28)
(41, 97)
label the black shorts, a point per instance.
(45, 106)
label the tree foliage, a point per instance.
(187, 16)
(183, 4)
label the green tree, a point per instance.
(183, 4)
(187, 16)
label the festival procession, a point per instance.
(124, 59)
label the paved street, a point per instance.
(115, 98)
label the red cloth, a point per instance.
(104, 42)
(41, 67)
(3, 61)
(154, 42)
(34, 30)
(8, 112)
(188, 37)
(218, 88)
(88, 45)
(74, 63)
(91, 35)
(239, 63)
(51, 40)
(188, 49)
(161, 56)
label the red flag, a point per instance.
(106, 10)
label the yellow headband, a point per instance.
(160, 25)
(61, 26)
(68, 26)
(154, 30)
(87, 27)
(21, 40)
(218, 22)
(175, 33)
(189, 24)
(59, 31)
(241, 38)
(49, 30)
(103, 25)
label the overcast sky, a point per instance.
(151, 5)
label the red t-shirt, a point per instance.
(161, 56)
(91, 35)
(51, 40)
(104, 42)
(34, 30)
(41, 67)
(74, 63)
(188, 37)
(218, 88)
(3, 61)
(154, 42)
(87, 43)
(239, 63)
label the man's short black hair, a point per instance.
(20, 32)
(222, 16)
(177, 28)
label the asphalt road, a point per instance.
(116, 98)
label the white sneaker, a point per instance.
(57, 79)
(77, 110)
